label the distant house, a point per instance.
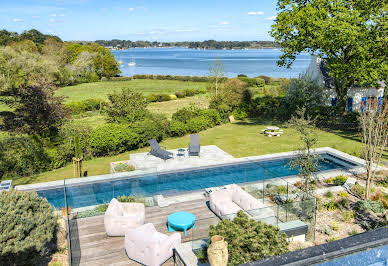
(359, 98)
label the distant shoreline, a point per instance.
(169, 47)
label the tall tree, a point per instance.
(306, 160)
(374, 125)
(350, 35)
(216, 74)
(26, 86)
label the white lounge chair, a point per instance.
(149, 247)
(120, 216)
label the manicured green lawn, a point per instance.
(146, 86)
(240, 140)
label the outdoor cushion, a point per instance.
(225, 203)
(119, 216)
(149, 247)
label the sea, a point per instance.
(192, 62)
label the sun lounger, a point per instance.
(157, 151)
(194, 147)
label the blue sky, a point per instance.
(159, 20)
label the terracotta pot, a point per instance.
(217, 251)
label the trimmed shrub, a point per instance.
(249, 240)
(126, 106)
(112, 139)
(79, 107)
(375, 206)
(266, 106)
(340, 180)
(177, 128)
(163, 97)
(22, 156)
(185, 114)
(240, 114)
(198, 124)
(152, 98)
(173, 97)
(189, 92)
(148, 129)
(212, 116)
(27, 226)
(180, 94)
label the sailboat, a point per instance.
(132, 63)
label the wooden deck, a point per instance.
(91, 245)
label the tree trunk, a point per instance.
(342, 101)
(368, 182)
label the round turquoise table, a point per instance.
(181, 221)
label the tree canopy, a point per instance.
(350, 35)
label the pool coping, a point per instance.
(357, 169)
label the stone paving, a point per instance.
(210, 155)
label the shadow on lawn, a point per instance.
(260, 122)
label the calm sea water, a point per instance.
(191, 62)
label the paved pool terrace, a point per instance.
(211, 156)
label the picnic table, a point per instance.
(272, 131)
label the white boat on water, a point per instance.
(132, 63)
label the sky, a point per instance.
(152, 20)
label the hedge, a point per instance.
(112, 139)
(212, 116)
(79, 107)
(148, 129)
(177, 128)
(27, 226)
(198, 124)
(170, 77)
(22, 156)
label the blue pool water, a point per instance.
(179, 181)
(374, 257)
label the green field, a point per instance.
(146, 86)
(240, 140)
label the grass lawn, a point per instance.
(170, 107)
(167, 108)
(240, 140)
(146, 86)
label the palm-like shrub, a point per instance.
(249, 240)
(27, 225)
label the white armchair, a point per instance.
(120, 216)
(149, 247)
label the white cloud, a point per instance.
(182, 30)
(35, 16)
(61, 15)
(140, 33)
(224, 23)
(271, 18)
(17, 20)
(52, 20)
(256, 13)
(131, 9)
(53, 15)
(49, 31)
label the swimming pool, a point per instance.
(168, 183)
